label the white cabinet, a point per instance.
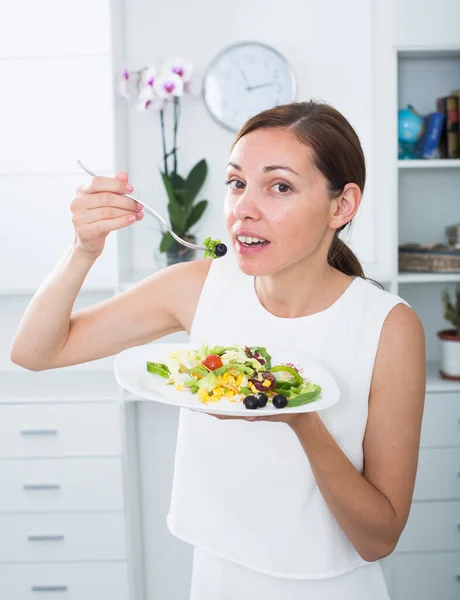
(59, 537)
(63, 513)
(72, 581)
(423, 63)
(426, 562)
(74, 484)
(426, 577)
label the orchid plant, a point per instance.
(157, 90)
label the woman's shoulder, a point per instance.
(190, 278)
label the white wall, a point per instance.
(56, 65)
(322, 41)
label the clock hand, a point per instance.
(248, 87)
(261, 85)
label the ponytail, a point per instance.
(342, 258)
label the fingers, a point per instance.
(110, 200)
(107, 184)
(105, 213)
(102, 228)
(122, 176)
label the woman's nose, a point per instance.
(246, 207)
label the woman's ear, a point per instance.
(344, 207)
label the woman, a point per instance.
(297, 506)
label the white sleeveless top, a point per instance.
(245, 490)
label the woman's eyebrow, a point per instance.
(275, 167)
(266, 169)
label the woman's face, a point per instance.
(275, 194)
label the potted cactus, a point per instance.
(450, 338)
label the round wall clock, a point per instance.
(244, 79)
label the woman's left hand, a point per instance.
(284, 417)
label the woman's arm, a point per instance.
(50, 335)
(373, 508)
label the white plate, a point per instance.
(131, 373)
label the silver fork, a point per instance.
(154, 213)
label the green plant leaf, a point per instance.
(166, 242)
(177, 181)
(179, 187)
(178, 216)
(168, 186)
(195, 180)
(196, 213)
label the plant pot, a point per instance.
(179, 253)
(450, 354)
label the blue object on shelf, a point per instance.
(410, 131)
(432, 132)
(410, 125)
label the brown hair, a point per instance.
(337, 154)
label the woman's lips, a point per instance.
(250, 250)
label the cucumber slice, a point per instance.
(158, 369)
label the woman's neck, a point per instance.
(300, 290)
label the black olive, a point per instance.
(251, 402)
(220, 250)
(279, 401)
(261, 399)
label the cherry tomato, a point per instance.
(212, 362)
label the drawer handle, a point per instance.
(39, 432)
(49, 588)
(45, 538)
(41, 486)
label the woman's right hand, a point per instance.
(99, 208)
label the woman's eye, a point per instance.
(235, 184)
(283, 187)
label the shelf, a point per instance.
(435, 383)
(435, 163)
(428, 277)
(424, 52)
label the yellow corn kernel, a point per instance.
(267, 383)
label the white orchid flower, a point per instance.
(181, 67)
(168, 85)
(145, 97)
(148, 75)
(124, 84)
(148, 99)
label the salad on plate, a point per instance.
(238, 374)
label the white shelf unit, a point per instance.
(435, 163)
(427, 200)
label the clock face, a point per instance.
(245, 79)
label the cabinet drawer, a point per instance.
(425, 576)
(85, 581)
(432, 527)
(438, 474)
(61, 485)
(60, 430)
(62, 537)
(441, 420)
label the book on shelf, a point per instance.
(449, 142)
(433, 125)
(441, 108)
